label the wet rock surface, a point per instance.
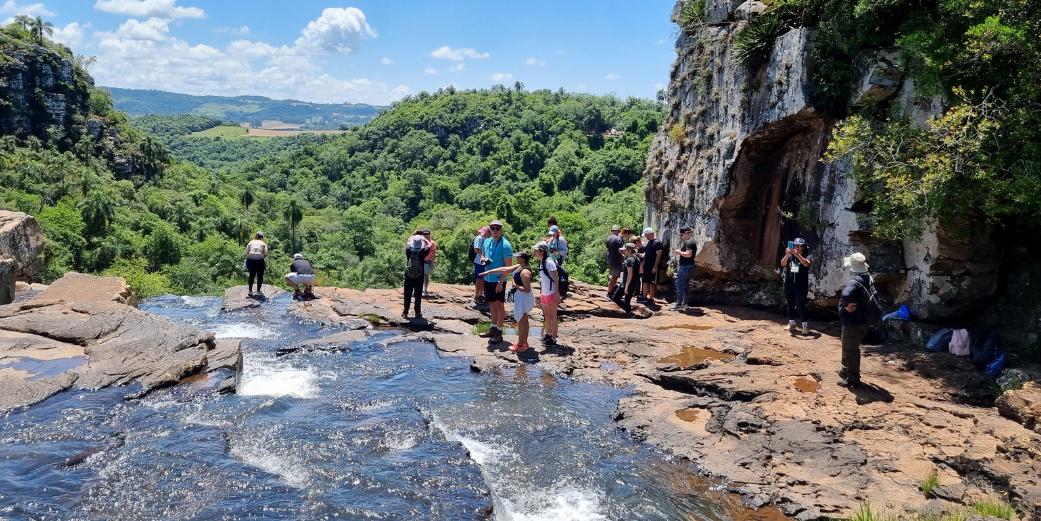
(92, 341)
(765, 411)
(237, 298)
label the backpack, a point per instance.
(985, 348)
(872, 308)
(960, 343)
(940, 340)
(562, 277)
(414, 266)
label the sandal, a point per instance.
(516, 348)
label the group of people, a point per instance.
(634, 263)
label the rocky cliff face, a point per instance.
(21, 242)
(739, 158)
(44, 94)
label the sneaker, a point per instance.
(518, 347)
(805, 330)
(548, 340)
(426, 293)
(497, 339)
(791, 327)
(676, 306)
(488, 334)
(845, 381)
(404, 314)
(419, 316)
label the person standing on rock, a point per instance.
(796, 267)
(684, 267)
(428, 262)
(300, 277)
(496, 252)
(854, 324)
(477, 251)
(549, 282)
(523, 298)
(558, 249)
(256, 252)
(417, 247)
(630, 285)
(652, 254)
(614, 244)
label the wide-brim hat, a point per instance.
(857, 263)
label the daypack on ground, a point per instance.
(414, 264)
(565, 281)
(960, 344)
(985, 349)
(940, 340)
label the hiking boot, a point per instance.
(848, 382)
(497, 338)
(488, 334)
(549, 341)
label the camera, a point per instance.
(485, 261)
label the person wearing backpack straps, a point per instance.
(549, 285)
(853, 311)
(417, 248)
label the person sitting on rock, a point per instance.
(417, 247)
(630, 282)
(796, 267)
(256, 252)
(301, 277)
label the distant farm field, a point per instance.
(225, 131)
(221, 131)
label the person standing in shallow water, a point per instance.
(684, 267)
(854, 299)
(796, 268)
(256, 253)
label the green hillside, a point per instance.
(244, 109)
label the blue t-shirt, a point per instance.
(498, 251)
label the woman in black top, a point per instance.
(796, 267)
(630, 284)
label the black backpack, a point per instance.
(562, 277)
(414, 266)
(871, 309)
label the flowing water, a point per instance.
(364, 432)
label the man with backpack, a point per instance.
(858, 309)
(417, 247)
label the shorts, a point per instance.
(477, 272)
(648, 276)
(616, 270)
(491, 293)
(522, 304)
(296, 278)
(549, 300)
(428, 267)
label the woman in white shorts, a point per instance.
(523, 298)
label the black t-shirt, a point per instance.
(634, 263)
(613, 244)
(796, 273)
(301, 267)
(691, 246)
(650, 251)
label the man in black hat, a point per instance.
(684, 267)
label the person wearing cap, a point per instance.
(300, 277)
(684, 266)
(854, 298)
(549, 299)
(652, 254)
(477, 252)
(558, 249)
(523, 298)
(416, 249)
(428, 262)
(796, 268)
(496, 252)
(614, 244)
(256, 252)
(630, 285)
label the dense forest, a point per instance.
(450, 161)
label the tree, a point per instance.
(154, 158)
(293, 214)
(23, 21)
(98, 210)
(246, 198)
(40, 29)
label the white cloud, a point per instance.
(386, 61)
(10, 7)
(166, 9)
(501, 77)
(239, 31)
(447, 53)
(534, 62)
(71, 35)
(336, 30)
(144, 54)
(612, 76)
(430, 70)
(458, 67)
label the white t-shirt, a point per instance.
(256, 249)
(478, 244)
(548, 287)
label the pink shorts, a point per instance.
(548, 300)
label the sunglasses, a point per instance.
(495, 228)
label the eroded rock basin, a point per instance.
(345, 425)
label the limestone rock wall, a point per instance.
(739, 158)
(21, 242)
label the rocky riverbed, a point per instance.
(745, 400)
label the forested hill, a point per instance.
(244, 109)
(450, 161)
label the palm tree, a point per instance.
(294, 214)
(246, 198)
(98, 210)
(40, 29)
(24, 21)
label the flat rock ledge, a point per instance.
(237, 298)
(95, 340)
(730, 389)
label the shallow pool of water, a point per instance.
(367, 432)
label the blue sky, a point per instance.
(365, 51)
